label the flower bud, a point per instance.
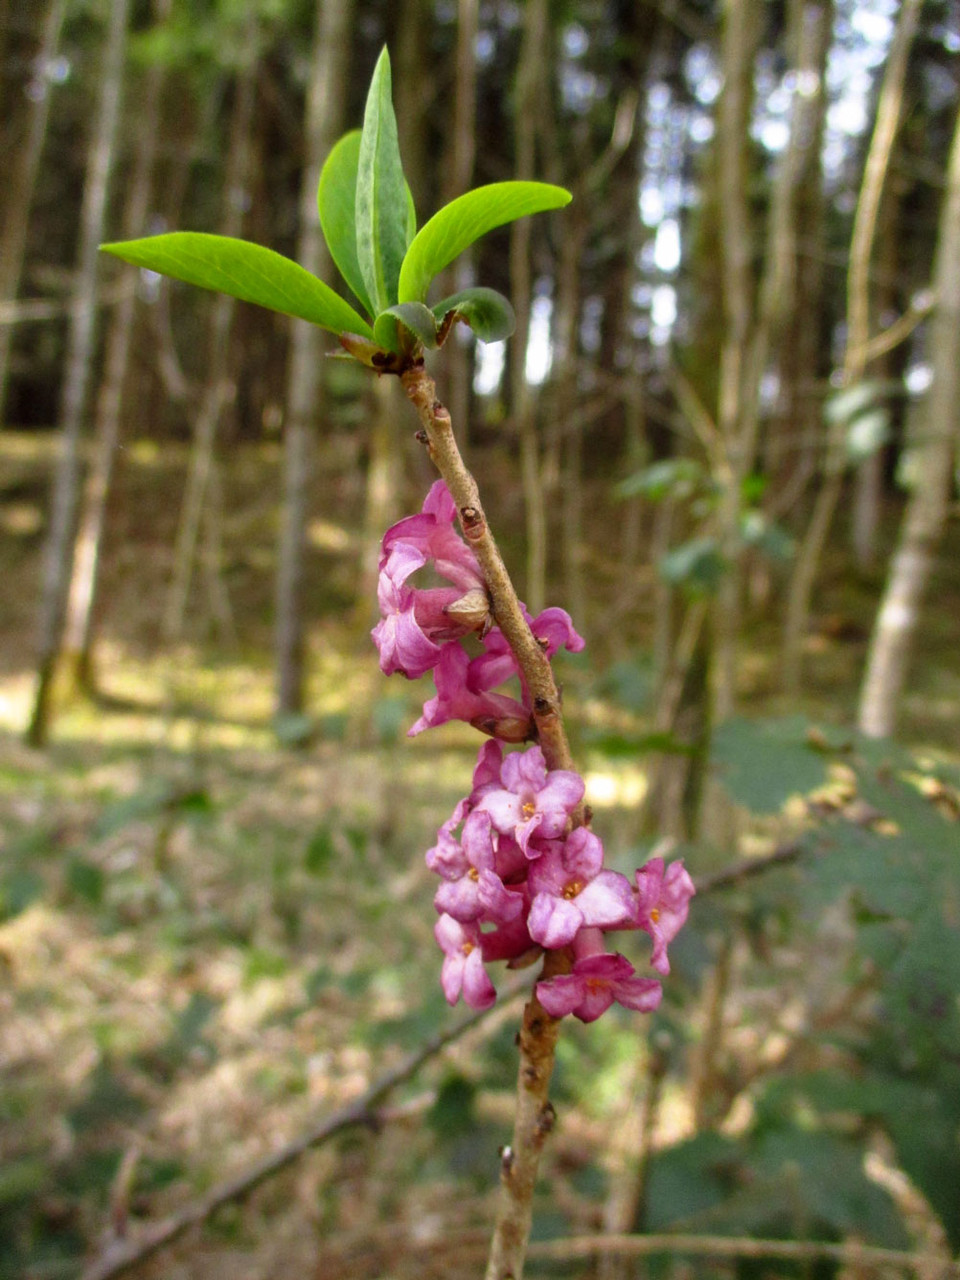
(506, 728)
(471, 611)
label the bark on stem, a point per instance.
(539, 1031)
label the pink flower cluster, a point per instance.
(420, 628)
(508, 861)
(516, 880)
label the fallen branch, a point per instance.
(120, 1253)
(746, 868)
(851, 1254)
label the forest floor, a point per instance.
(208, 939)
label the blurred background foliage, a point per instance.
(723, 437)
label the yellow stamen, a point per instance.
(572, 889)
(529, 809)
(655, 914)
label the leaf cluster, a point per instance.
(368, 219)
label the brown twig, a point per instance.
(745, 868)
(852, 1254)
(505, 605)
(538, 1034)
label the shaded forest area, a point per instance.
(723, 436)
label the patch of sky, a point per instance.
(576, 42)
(539, 357)
(702, 73)
(579, 89)
(663, 314)
(918, 379)
(861, 40)
(590, 325)
(769, 389)
(509, 15)
(651, 204)
(484, 47)
(666, 246)
(701, 128)
(488, 367)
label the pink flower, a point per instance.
(510, 942)
(492, 713)
(570, 891)
(462, 969)
(433, 534)
(473, 889)
(553, 629)
(662, 905)
(399, 638)
(594, 984)
(532, 801)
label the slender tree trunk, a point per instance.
(740, 29)
(787, 452)
(529, 101)
(927, 507)
(20, 181)
(867, 505)
(858, 322)
(384, 479)
(77, 646)
(458, 363)
(80, 356)
(324, 117)
(219, 389)
(567, 412)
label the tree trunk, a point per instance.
(80, 356)
(867, 505)
(529, 102)
(788, 457)
(21, 179)
(858, 321)
(77, 645)
(219, 388)
(926, 512)
(740, 28)
(458, 362)
(566, 415)
(324, 118)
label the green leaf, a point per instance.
(672, 478)
(696, 565)
(382, 204)
(413, 316)
(245, 271)
(337, 205)
(464, 221)
(764, 762)
(766, 535)
(487, 312)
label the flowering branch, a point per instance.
(524, 861)
(505, 606)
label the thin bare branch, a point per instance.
(850, 1254)
(121, 1254)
